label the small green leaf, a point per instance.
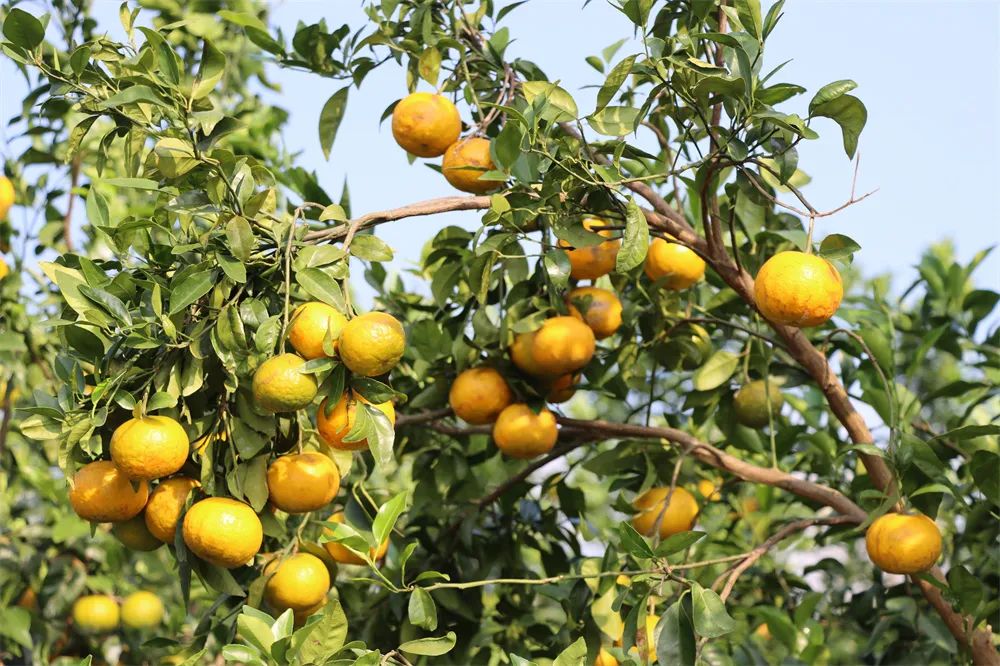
(329, 119)
(322, 287)
(717, 370)
(429, 65)
(430, 647)
(615, 120)
(838, 246)
(421, 610)
(711, 619)
(675, 543)
(387, 516)
(633, 542)
(210, 71)
(635, 242)
(559, 104)
(574, 655)
(614, 81)
(369, 247)
(846, 110)
(23, 29)
(190, 289)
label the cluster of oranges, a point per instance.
(224, 531)
(100, 613)
(428, 125)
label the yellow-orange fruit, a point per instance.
(302, 482)
(310, 325)
(521, 433)
(590, 263)
(342, 554)
(336, 425)
(677, 266)
(425, 124)
(102, 493)
(598, 308)
(165, 504)
(478, 395)
(902, 544)
(465, 161)
(150, 447)
(562, 344)
(679, 513)
(222, 531)
(798, 289)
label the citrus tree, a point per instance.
(646, 410)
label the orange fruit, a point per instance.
(563, 344)
(279, 386)
(750, 403)
(4, 270)
(710, 490)
(465, 161)
(605, 658)
(676, 265)
(150, 447)
(6, 197)
(798, 289)
(142, 610)
(164, 507)
(522, 356)
(222, 531)
(302, 482)
(647, 636)
(521, 433)
(598, 308)
(340, 421)
(478, 395)
(562, 388)
(425, 124)
(679, 513)
(299, 582)
(311, 323)
(134, 534)
(372, 344)
(95, 613)
(763, 631)
(903, 544)
(590, 263)
(101, 493)
(342, 554)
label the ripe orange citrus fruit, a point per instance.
(102, 493)
(95, 613)
(647, 636)
(902, 544)
(6, 196)
(150, 447)
(4, 269)
(521, 433)
(425, 124)
(299, 582)
(465, 161)
(478, 395)
(134, 534)
(372, 344)
(521, 354)
(165, 504)
(302, 482)
(710, 490)
(278, 386)
(598, 308)
(562, 388)
(310, 325)
(798, 289)
(342, 554)
(562, 344)
(679, 513)
(605, 658)
(590, 263)
(142, 610)
(336, 425)
(222, 531)
(676, 265)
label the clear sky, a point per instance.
(929, 73)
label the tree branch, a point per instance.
(429, 207)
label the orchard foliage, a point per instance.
(202, 236)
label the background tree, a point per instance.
(202, 239)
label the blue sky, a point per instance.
(927, 71)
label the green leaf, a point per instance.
(322, 638)
(109, 303)
(240, 236)
(190, 289)
(675, 643)
(558, 104)
(846, 110)
(750, 17)
(838, 246)
(633, 542)
(322, 287)
(174, 157)
(23, 29)
(369, 247)
(387, 516)
(429, 65)
(614, 120)
(430, 647)
(635, 242)
(675, 543)
(985, 468)
(557, 266)
(574, 655)
(254, 631)
(381, 440)
(15, 623)
(970, 432)
(717, 370)
(710, 616)
(966, 587)
(421, 610)
(210, 71)
(614, 81)
(132, 95)
(161, 400)
(329, 119)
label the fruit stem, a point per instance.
(809, 235)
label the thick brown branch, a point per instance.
(719, 459)
(429, 207)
